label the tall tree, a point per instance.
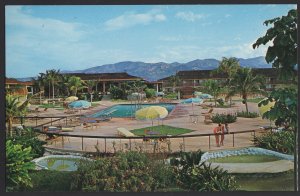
(244, 82)
(212, 87)
(40, 82)
(229, 67)
(283, 56)
(64, 84)
(15, 108)
(174, 80)
(283, 36)
(90, 84)
(75, 84)
(52, 76)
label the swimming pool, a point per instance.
(128, 110)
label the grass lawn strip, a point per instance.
(161, 130)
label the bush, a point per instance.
(131, 171)
(150, 92)
(28, 138)
(193, 176)
(247, 115)
(220, 101)
(283, 141)
(17, 166)
(96, 96)
(171, 96)
(223, 118)
(47, 180)
(116, 92)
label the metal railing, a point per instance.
(155, 143)
(161, 143)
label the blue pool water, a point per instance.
(128, 110)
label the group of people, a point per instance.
(220, 132)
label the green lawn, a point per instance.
(161, 130)
(50, 105)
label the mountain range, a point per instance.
(155, 71)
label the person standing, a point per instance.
(217, 132)
(224, 130)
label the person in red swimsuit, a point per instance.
(217, 132)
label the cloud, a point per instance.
(227, 15)
(189, 16)
(131, 19)
(16, 16)
(35, 44)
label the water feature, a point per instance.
(59, 162)
(128, 110)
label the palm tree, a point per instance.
(52, 77)
(75, 84)
(40, 83)
(63, 85)
(244, 82)
(15, 108)
(213, 87)
(90, 84)
(174, 81)
(228, 66)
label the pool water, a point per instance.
(60, 164)
(245, 159)
(128, 110)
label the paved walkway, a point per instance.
(183, 121)
(266, 167)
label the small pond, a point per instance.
(59, 162)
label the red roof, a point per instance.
(15, 81)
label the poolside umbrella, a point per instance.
(192, 101)
(80, 104)
(151, 113)
(72, 98)
(205, 96)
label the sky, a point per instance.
(38, 38)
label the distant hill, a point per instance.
(155, 71)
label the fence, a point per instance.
(151, 144)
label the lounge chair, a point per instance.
(124, 132)
(207, 119)
(67, 129)
(208, 112)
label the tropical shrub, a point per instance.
(171, 96)
(283, 141)
(150, 92)
(131, 171)
(220, 101)
(17, 166)
(193, 176)
(247, 115)
(223, 118)
(28, 138)
(50, 180)
(116, 92)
